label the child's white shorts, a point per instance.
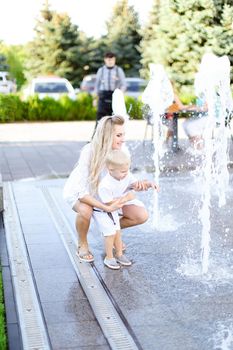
(109, 223)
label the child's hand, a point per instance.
(144, 185)
(154, 186)
(115, 205)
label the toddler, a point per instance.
(115, 186)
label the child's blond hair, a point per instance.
(117, 158)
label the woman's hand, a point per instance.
(144, 185)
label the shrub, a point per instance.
(3, 338)
(45, 109)
(134, 107)
(12, 108)
(85, 107)
(187, 99)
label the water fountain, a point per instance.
(158, 95)
(118, 104)
(213, 81)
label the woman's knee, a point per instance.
(142, 216)
(137, 214)
(84, 211)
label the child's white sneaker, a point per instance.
(111, 264)
(123, 260)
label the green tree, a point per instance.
(148, 35)
(223, 34)
(15, 56)
(94, 53)
(185, 31)
(57, 48)
(123, 37)
(3, 62)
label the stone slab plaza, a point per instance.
(161, 302)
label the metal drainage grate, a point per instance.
(112, 325)
(31, 323)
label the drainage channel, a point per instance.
(33, 330)
(108, 314)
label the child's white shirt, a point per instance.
(109, 188)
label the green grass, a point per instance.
(3, 338)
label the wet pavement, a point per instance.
(163, 299)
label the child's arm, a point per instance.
(127, 197)
(143, 185)
(121, 200)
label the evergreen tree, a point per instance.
(124, 37)
(57, 48)
(148, 35)
(219, 7)
(185, 31)
(223, 34)
(95, 50)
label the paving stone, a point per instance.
(74, 335)
(42, 256)
(14, 341)
(74, 310)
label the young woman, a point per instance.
(81, 186)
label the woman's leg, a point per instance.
(82, 224)
(133, 215)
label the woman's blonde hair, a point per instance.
(101, 145)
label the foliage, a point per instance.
(222, 42)
(124, 37)
(86, 109)
(15, 56)
(147, 36)
(181, 31)
(134, 107)
(177, 35)
(3, 340)
(3, 63)
(95, 50)
(13, 109)
(57, 48)
(45, 109)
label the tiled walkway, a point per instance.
(161, 305)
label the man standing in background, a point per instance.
(109, 77)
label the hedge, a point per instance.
(3, 336)
(14, 109)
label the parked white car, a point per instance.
(50, 86)
(7, 86)
(134, 86)
(88, 83)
